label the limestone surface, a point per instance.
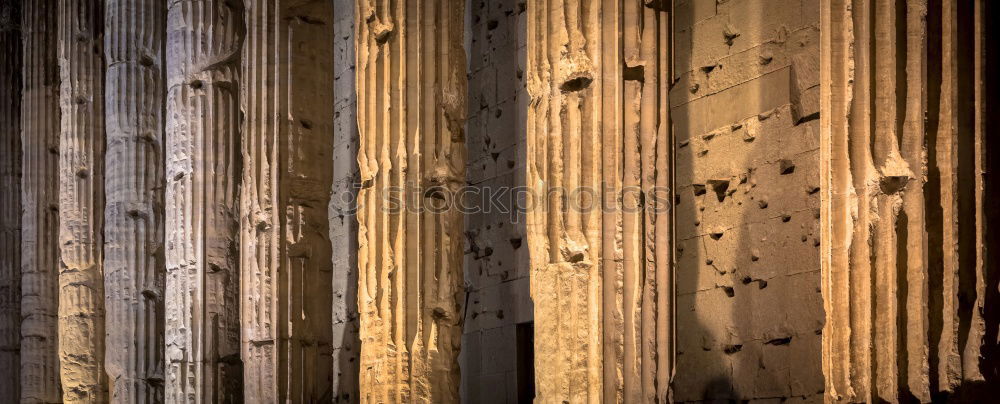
(202, 337)
(904, 252)
(81, 201)
(133, 217)
(411, 88)
(40, 204)
(285, 261)
(599, 229)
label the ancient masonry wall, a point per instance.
(906, 191)
(411, 88)
(134, 270)
(346, 344)
(204, 39)
(496, 344)
(81, 201)
(744, 108)
(286, 90)
(598, 225)
(10, 200)
(40, 204)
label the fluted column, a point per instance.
(902, 154)
(285, 94)
(81, 201)
(10, 200)
(599, 158)
(202, 166)
(411, 106)
(133, 217)
(40, 204)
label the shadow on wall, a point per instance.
(745, 116)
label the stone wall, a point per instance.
(749, 308)
(496, 268)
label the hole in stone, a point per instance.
(500, 314)
(80, 100)
(306, 124)
(145, 60)
(893, 184)
(746, 280)
(762, 204)
(786, 218)
(720, 187)
(196, 84)
(731, 349)
(780, 341)
(699, 189)
(729, 291)
(575, 84)
(492, 24)
(178, 176)
(82, 173)
(786, 167)
(149, 294)
(715, 235)
(214, 268)
(515, 242)
(635, 73)
(761, 284)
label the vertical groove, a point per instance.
(81, 201)
(284, 244)
(411, 103)
(10, 200)
(599, 171)
(134, 180)
(40, 216)
(204, 38)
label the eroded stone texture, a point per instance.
(599, 226)
(81, 201)
(133, 216)
(346, 345)
(10, 200)
(411, 88)
(286, 92)
(203, 364)
(40, 204)
(903, 152)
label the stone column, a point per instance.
(599, 229)
(902, 149)
(81, 201)
(285, 263)
(40, 204)
(204, 38)
(343, 222)
(133, 216)
(10, 200)
(412, 100)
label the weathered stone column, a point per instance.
(411, 106)
(202, 166)
(599, 158)
(285, 95)
(902, 150)
(10, 200)
(133, 217)
(40, 204)
(81, 201)
(346, 346)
